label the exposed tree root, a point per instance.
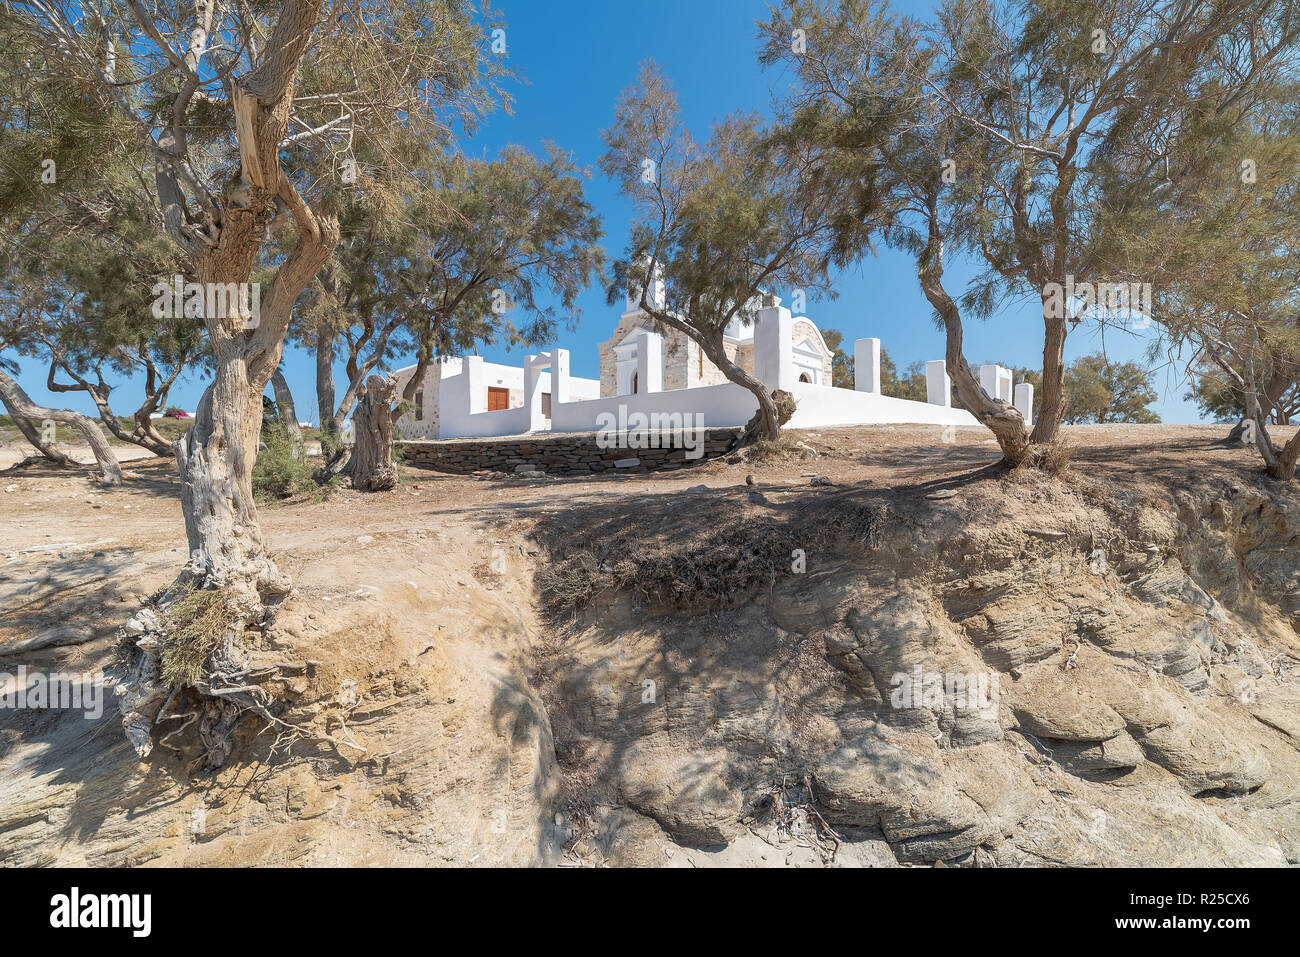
(189, 643)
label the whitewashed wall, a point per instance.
(720, 406)
(822, 406)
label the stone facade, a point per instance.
(685, 365)
(426, 425)
(558, 454)
(803, 329)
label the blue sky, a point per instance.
(575, 56)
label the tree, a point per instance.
(476, 245)
(1100, 391)
(219, 118)
(861, 101)
(842, 369)
(1219, 396)
(988, 121)
(22, 408)
(373, 469)
(911, 386)
(717, 226)
(1221, 244)
(82, 300)
(1043, 83)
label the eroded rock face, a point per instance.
(1142, 707)
(958, 690)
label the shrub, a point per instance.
(281, 470)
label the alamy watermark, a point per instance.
(208, 300)
(1070, 300)
(651, 430)
(965, 691)
(40, 691)
(76, 910)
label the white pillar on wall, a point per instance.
(649, 361)
(996, 382)
(475, 383)
(866, 365)
(1025, 401)
(559, 376)
(773, 348)
(534, 366)
(938, 384)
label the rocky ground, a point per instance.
(693, 669)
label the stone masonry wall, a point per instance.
(572, 454)
(803, 329)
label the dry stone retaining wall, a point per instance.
(572, 454)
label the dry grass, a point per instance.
(194, 625)
(719, 567)
(1050, 457)
(781, 449)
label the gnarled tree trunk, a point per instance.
(1052, 407)
(288, 414)
(1280, 463)
(770, 421)
(144, 434)
(20, 405)
(1002, 418)
(372, 456)
(215, 457)
(34, 437)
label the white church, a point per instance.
(645, 371)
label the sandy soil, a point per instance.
(58, 529)
(397, 591)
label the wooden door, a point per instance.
(498, 399)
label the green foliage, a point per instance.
(1219, 396)
(910, 386)
(281, 469)
(1098, 391)
(842, 370)
(726, 223)
(1003, 131)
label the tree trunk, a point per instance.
(335, 453)
(1280, 464)
(144, 434)
(372, 456)
(1001, 418)
(288, 414)
(20, 405)
(34, 437)
(215, 457)
(770, 418)
(1052, 407)
(769, 429)
(325, 408)
(756, 427)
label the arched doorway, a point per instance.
(803, 377)
(635, 388)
